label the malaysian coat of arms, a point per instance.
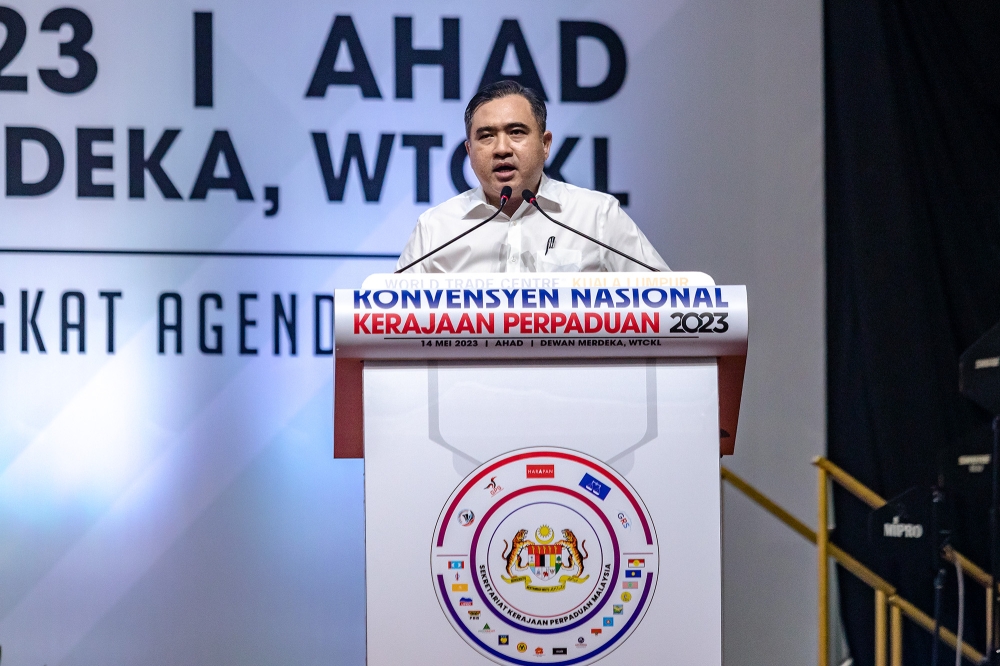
(562, 561)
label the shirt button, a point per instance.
(513, 259)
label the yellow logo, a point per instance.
(522, 647)
(460, 587)
(626, 597)
(544, 534)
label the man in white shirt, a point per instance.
(508, 146)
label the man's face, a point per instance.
(506, 147)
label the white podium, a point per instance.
(541, 463)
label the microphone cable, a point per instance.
(961, 612)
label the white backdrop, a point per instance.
(179, 508)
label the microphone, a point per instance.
(529, 196)
(504, 198)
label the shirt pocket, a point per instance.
(559, 261)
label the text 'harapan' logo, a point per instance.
(541, 471)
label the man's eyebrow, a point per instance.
(508, 127)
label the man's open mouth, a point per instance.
(504, 169)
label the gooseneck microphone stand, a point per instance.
(504, 198)
(529, 196)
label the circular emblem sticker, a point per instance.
(544, 555)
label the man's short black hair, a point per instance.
(505, 88)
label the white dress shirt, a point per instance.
(526, 242)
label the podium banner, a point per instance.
(541, 323)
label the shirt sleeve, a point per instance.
(416, 247)
(621, 233)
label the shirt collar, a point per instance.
(549, 196)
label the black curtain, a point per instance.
(913, 278)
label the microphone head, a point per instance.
(528, 196)
(506, 193)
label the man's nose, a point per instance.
(502, 147)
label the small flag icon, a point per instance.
(596, 632)
(630, 585)
(460, 564)
(637, 564)
(460, 587)
(633, 573)
(619, 609)
(609, 622)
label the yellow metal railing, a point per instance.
(828, 470)
(886, 598)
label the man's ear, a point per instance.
(468, 148)
(547, 142)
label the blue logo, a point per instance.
(633, 573)
(456, 564)
(609, 622)
(592, 485)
